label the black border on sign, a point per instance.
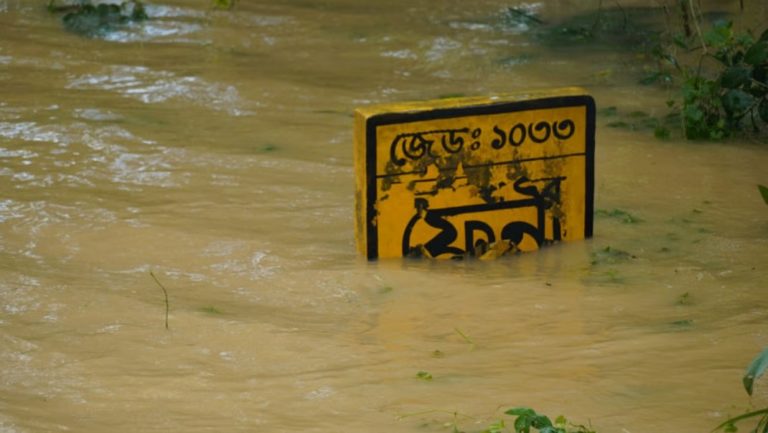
(372, 247)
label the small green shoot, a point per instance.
(497, 427)
(684, 299)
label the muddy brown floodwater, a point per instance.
(213, 148)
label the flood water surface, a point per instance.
(214, 150)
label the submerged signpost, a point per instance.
(475, 177)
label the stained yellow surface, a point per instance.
(474, 176)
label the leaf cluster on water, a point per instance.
(85, 18)
(527, 419)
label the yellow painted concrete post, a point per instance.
(474, 176)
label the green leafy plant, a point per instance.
(756, 369)
(95, 20)
(725, 90)
(527, 419)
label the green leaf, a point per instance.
(521, 411)
(757, 53)
(720, 34)
(737, 101)
(541, 421)
(523, 424)
(760, 363)
(735, 77)
(763, 192)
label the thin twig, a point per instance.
(696, 24)
(464, 336)
(165, 292)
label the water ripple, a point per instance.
(152, 87)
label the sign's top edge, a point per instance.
(417, 106)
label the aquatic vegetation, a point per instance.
(95, 20)
(719, 76)
(609, 255)
(224, 4)
(527, 419)
(615, 28)
(210, 309)
(756, 369)
(424, 375)
(684, 299)
(618, 214)
(723, 91)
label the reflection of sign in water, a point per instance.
(453, 178)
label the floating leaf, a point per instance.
(763, 192)
(423, 375)
(622, 215)
(755, 370)
(210, 309)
